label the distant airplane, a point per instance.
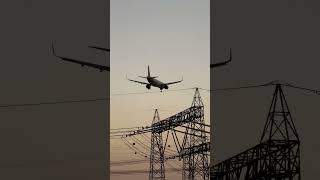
(152, 81)
(222, 63)
(84, 63)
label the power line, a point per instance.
(143, 145)
(272, 83)
(238, 88)
(131, 172)
(135, 149)
(151, 92)
(303, 88)
(80, 100)
(125, 128)
(54, 102)
(128, 162)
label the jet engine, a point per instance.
(148, 86)
(166, 86)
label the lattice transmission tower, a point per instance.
(157, 169)
(276, 157)
(195, 165)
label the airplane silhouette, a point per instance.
(84, 63)
(152, 81)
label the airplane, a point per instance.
(222, 63)
(84, 63)
(152, 81)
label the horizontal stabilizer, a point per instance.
(143, 77)
(148, 77)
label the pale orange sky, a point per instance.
(173, 37)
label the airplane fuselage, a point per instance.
(152, 81)
(156, 83)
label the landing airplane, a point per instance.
(152, 81)
(222, 63)
(84, 63)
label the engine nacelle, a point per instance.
(166, 86)
(148, 86)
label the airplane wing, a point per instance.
(219, 64)
(137, 81)
(99, 48)
(222, 63)
(174, 82)
(82, 63)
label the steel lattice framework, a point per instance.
(194, 148)
(204, 147)
(157, 169)
(195, 145)
(277, 156)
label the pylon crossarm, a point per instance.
(183, 132)
(205, 147)
(199, 130)
(260, 154)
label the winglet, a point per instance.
(224, 62)
(53, 50)
(230, 55)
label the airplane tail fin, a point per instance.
(149, 74)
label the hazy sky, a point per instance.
(173, 38)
